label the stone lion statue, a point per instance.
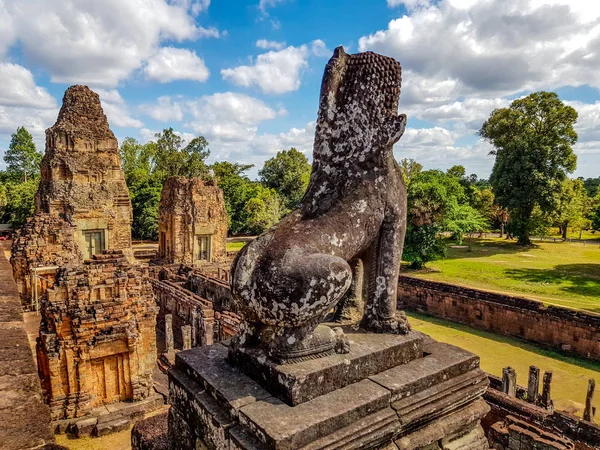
(288, 279)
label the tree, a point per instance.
(237, 190)
(264, 210)
(572, 206)
(172, 158)
(592, 185)
(136, 159)
(145, 201)
(594, 215)
(288, 173)
(532, 141)
(19, 201)
(409, 168)
(21, 158)
(430, 197)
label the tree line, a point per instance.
(528, 192)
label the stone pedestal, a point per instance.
(396, 392)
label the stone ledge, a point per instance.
(217, 405)
(441, 362)
(285, 427)
(300, 382)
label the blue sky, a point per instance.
(246, 73)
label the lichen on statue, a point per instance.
(288, 279)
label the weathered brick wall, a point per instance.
(189, 208)
(97, 340)
(186, 308)
(512, 420)
(82, 188)
(556, 327)
(213, 289)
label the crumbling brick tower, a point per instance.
(82, 205)
(97, 341)
(192, 222)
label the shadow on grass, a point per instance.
(514, 341)
(485, 247)
(582, 279)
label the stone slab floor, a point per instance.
(24, 419)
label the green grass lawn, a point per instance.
(575, 234)
(235, 246)
(561, 273)
(570, 375)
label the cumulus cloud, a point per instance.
(495, 47)
(116, 109)
(409, 4)
(269, 45)
(98, 43)
(230, 122)
(264, 4)
(587, 127)
(229, 116)
(170, 64)
(18, 88)
(276, 72)
(165, 109)
(462, 59)
(24, 103)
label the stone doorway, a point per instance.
(94, 243)
(204, 247)
(111, 382)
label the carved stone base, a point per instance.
(297, 383)
(432, 401)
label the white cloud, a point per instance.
(170, 64)
(230, 121)
(229, 116)
(195, 7)
(269, 45)
(436, 148)
(264, 4)
(409, 4)
(97, 43)
(18, 88)
(116, 110)
(164, 110)
(495, 47)
(587, 127)
(467, 115)
(24, 103)
(275, 72)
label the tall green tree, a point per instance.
(533, 143)
(263, 210)
(22, 159)
(592, 185)
(572, 206)
(173, 158)
(19, 201)
(409, 168)
(594, 215)
(237, 190)
(288, 173)
(136, 159)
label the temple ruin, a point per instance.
(192, 222)
(73, 262)
(97, 343)
(82, 206)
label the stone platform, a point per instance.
(430, 398)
